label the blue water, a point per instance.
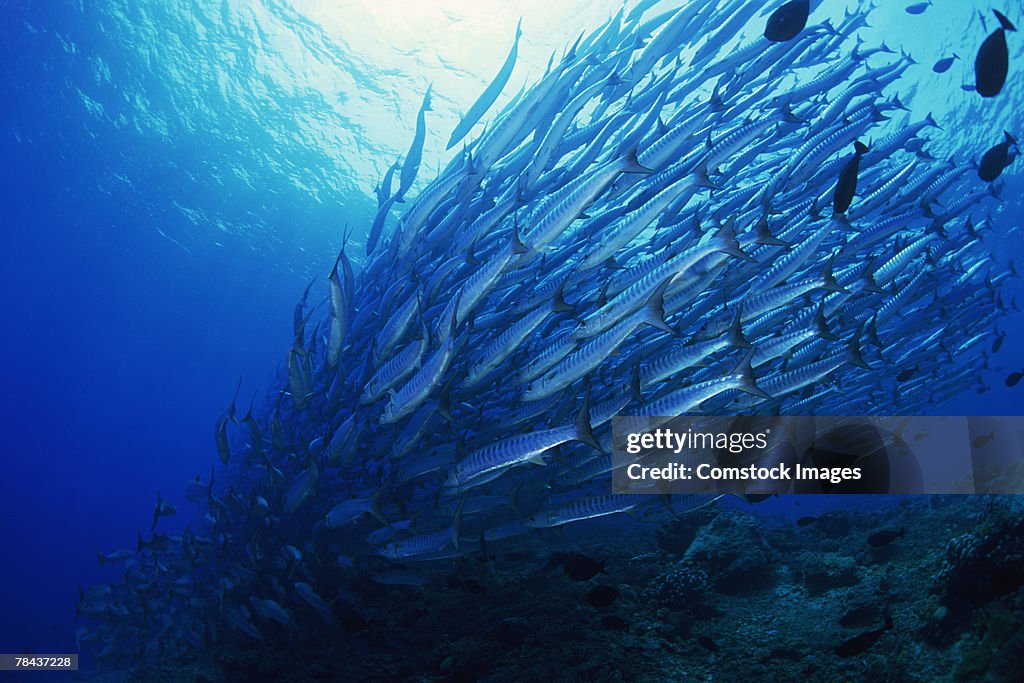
(173, 176)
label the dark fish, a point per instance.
(581, 568)
(1013, 378)
(942, 66)
(602, 596)
(786, 22)
(806, 521)
(998, 343)
(996, 159)
(846, 188)
(885, 537)
(859, 617)
(993, 60)
(861, 642)
(707, 644)
(981, 441)
(614, 623)
(907, 374)
(918, 8)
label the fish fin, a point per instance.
(634, 384)
(517, 244)
(631, 164)
(735, 333)
(821, 325)
(558, 304)
(1009, 138)
(654, 309)
(457, 524)
(471, 257)
(584, 432)
(726, 235)
(829, 280)
(1003, 21)
(702, 179)
(853, 350)
(745, 374)
(860, 147)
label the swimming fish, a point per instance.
(787, 21)
(993, 61)
(996, 159)
(885, 537)
(846, 187)
(861, 642)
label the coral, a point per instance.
(733, 551)
(680, 588)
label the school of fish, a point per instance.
(720, 208)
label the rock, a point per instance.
(511, 631)
(823, 573)
(733, 550)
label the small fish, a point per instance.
(883, 538)
(581, 568)
(993, 60)
(162, 509)
(602, 596)
(918, 7)
(806, 521)
(788, 21)
(981, 441)
(614, 623)
(846, 187)
(943, 65)
(996, 159)
(861, 642)
(708, 644)
(998, 343)
(859, 617)
(1013, 378)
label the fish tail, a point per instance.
(728, 243)
(457, 524)
(735, 333)
(745, 374)
(821, 325)
(630, 163)
(101, 560)
(1003, 21)
(584, 431)
(558, 304)
(635, 390)
(829, 281)
(654, 309)
(853, 350)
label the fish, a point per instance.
(161, 509)
(883, 538)
(996, 159)
(918, 7)
(862, 642)
(944, 64)
(846, 187)
(859, 617)
(411, 166)
(1013, 378)
(487, 98)
(579, 567)
(602, 596)
(787, 21)
(992, 63)
(998, 343)
(643, 229)
(806, 521)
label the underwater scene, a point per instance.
(325, 320)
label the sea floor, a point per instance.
(718, 595)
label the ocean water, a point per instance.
(174, 175)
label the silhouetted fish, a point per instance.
(861, 642)
(581, 568)
(846, 188)
(786, 22)
(1013, 378)
(806, 521)
(982, 441)
(942, 66)
(998, 343)
(918, 8)
(993, 60)
(602, 596)
(907, 374)
(883, 538)
(996, 159)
